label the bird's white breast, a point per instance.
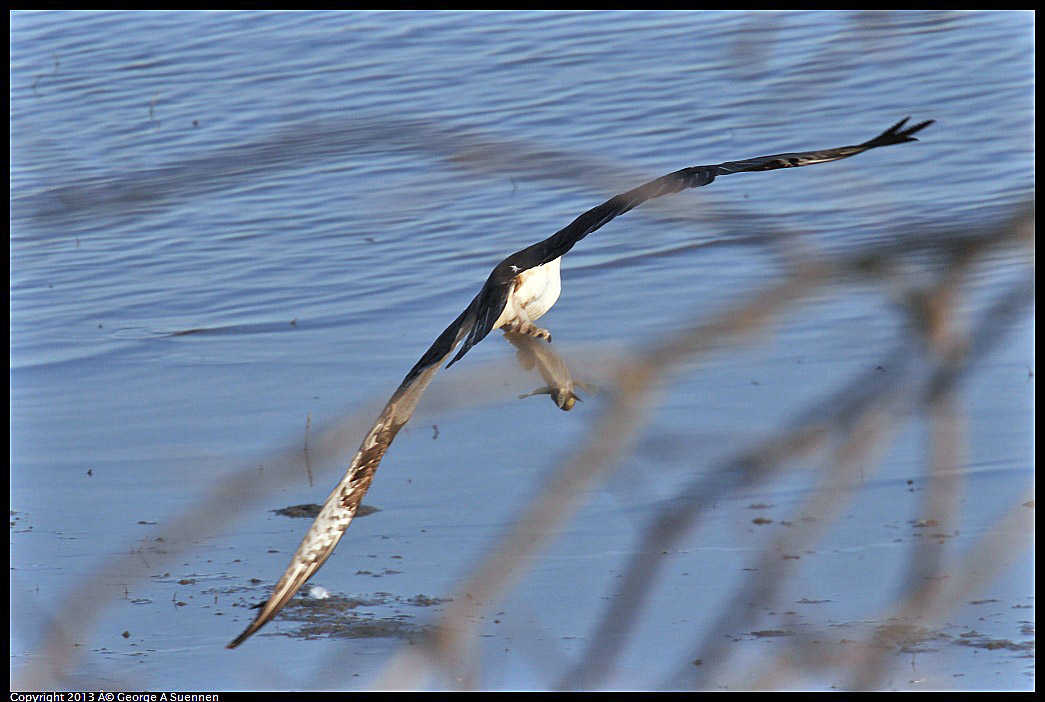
(537, 289)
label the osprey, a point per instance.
(520, 289)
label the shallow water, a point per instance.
(228, 226)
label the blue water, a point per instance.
(316, 195)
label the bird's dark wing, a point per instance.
(341, 505)
(495, 291)
(488, 305)
(447, 341)
(895, 134)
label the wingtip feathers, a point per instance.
(899, 133)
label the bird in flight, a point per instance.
(520, 289)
